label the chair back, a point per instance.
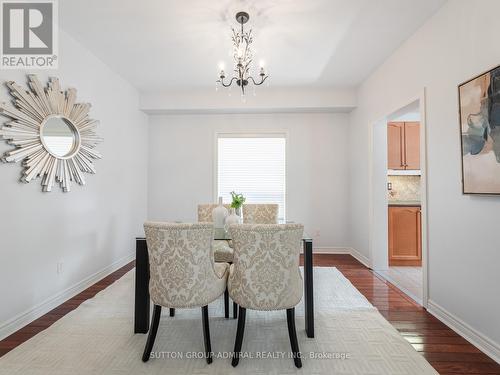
(265, 273)
(181, 264)
(260, 213)
(205, 212)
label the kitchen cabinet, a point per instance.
(405, 236)
(403, 145)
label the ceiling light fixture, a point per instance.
(242, 55)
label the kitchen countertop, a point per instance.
(404, 203)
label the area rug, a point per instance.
(97, 338)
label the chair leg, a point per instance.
(206, 334)
(290, 318)
(226, 304)
(172, 312)
(155, 321)
(235, 310)
(239, 336)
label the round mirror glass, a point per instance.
(59, 136)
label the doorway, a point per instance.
(398, 199)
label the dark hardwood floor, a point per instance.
(54, 315)
(449, 353)
(444, 349)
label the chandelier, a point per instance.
(242, 55)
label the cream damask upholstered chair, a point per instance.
(182, 273)
(260, 213)
(265, 275)
(205, 211)
(222, 249)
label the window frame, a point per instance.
(253, 134)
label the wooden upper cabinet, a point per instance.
(403, 145)
(412, 145)
(395, 137)
(405, 245)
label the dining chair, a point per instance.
(182, 273)
(223, 252)
(265, 275)
(260, 213)
(205, 211)
(222, 249)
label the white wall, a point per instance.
(181, 167)
(456, 44)
(91, 227)
(380, 239)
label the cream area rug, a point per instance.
(97, 338)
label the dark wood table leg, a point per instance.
(142, 301)
(308, 287)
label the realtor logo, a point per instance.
(29, 34)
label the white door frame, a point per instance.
(423, 166)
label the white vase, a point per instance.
(232, 218)
(219, 215)
(239, 212)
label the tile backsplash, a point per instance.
(404, 188)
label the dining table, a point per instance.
(142, 303)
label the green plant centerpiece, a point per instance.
(237, 202)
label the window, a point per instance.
(254, 166)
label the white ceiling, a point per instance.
(171, 44)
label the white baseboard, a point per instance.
(26, 317)
(363, 259)
(479, 340)
(331, 250)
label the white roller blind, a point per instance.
(253, 166)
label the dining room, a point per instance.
(202, 187)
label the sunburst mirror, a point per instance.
(54, 137)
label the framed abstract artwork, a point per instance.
(479, 111)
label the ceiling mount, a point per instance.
(242, 17)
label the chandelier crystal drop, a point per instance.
(242, 55)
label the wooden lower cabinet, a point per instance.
(405, 236)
